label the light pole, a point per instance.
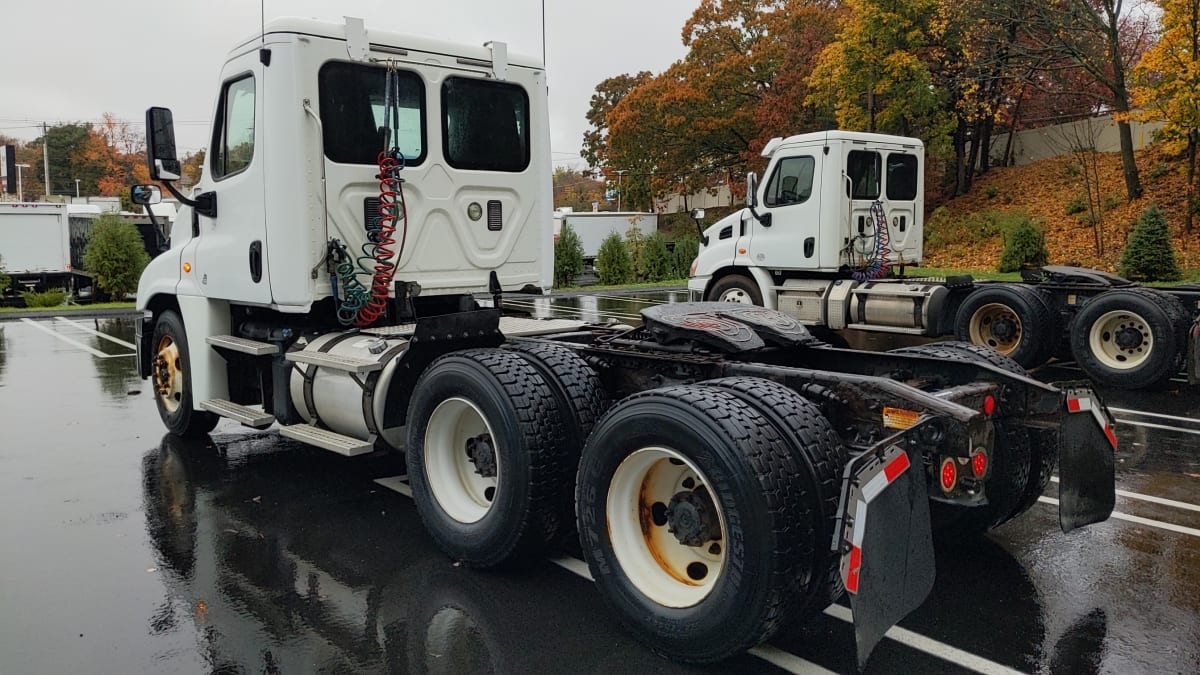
(620, 175)
(20, 188)
(76, 188)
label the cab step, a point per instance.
(328, 440)
(238, 413)
(242, 345)
(334, 362)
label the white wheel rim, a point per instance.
(167, 372)
(1103, 340)
(738, 295)
(983, 324)
(456, 482)
(655, 561)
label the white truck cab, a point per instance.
(835, 205)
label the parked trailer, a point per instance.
(40, 245)
(827, 237)
(717, 462)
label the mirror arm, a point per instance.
(205, 203)
(763, 218)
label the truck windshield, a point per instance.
(352, 113)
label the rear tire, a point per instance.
(1011, 319)
(1132, 338)
(699, 462)
(171, 378)
(484, 433)
(735, 288)
(819, 452)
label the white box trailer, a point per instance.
(593, 226)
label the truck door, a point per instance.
(864, 169)
(793, 239)
(902, 183)
(231, 261)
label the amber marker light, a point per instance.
(187, 267)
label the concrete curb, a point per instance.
(78, 313)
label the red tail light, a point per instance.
(989, 405)
(979, 464)
(949, 474)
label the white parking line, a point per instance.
(930, 646)
(73, 343)
(1143, 413)
(777, 657)
(97, 333)
(1167, 427)
(1149, 498)
(1172, 527)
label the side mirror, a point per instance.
(160, 145)
(751, 189)
(144, 195)
(698, 214)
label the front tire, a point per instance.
(694, 521)
(1132, 338)
(735, 288)
(484, 432)
(171, 377)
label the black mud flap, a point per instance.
(1086, 463)
(885, 542)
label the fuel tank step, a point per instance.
(242, 345)
(328, 440)
(238, 413)
(334, 362)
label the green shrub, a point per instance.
(1076, 205)
(942, 229)
(614, 263)
(568, 256)
(115, 255)
(1159, 170)
(991, 191)
(51, 298)
(1024, 247)
(4, 279)
(685, 252)
(655, 261)
(1111, 201)
(1149, 255)
(1072, 169)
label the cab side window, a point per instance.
(791, 183)
(234, 136)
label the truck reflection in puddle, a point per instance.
(281, 561)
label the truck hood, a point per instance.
(713, 232)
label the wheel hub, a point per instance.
(482, 454)
(1129, 338)
(692, 518)
(1004, 330)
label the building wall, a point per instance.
(1030, 145)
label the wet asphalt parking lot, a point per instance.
(127, 551)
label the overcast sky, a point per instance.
(73, 60)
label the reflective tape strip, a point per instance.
(852, 574)
(884, 478)
(860, 524)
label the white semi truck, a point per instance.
(41, 245)
(593, 227)
(840, 211)
(716, 462)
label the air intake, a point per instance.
(495, 215)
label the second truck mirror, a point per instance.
(160, 144)
(752, 189)
(145, 194)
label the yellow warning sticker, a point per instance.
(898, 418)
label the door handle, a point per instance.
(256, 261)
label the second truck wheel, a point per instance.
(693, 517)
(1132, 338)
(1011, 319)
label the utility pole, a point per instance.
(77, 188)
(20, 187)
(620, 175)
(46, 157)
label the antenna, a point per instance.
(543, 34)
(264, 54)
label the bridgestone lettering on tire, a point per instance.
(171, 379)
(483, 419)
(1011, 319)
(1133, 338)
(737, 481)
(1016, 474)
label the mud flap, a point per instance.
(885, 542)
(1086, 465)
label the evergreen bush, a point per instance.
(685, 252)
(1025, 246)
(1149, 255)
(115, 255)
(50, 298)
(568, 256)
(635, 239)
(655, 261)
(614, 263)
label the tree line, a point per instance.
(954, 73)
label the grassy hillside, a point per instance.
(968, 231)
